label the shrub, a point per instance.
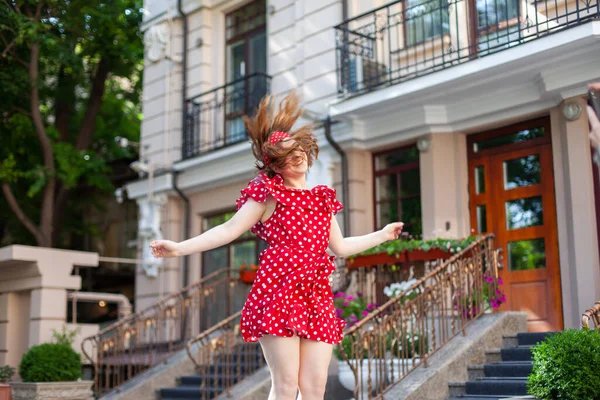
(6, 373)
(408, 345)
(50, 362)
(349, 348)
(566, 366)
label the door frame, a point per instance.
(490, 156)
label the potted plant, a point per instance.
(406, 350)
(566, 366)
(6, 373)
(353, 355)
(468, 303)
(248, 273)
(395, 289)
(48, 369)
(409, 249)
(352, 308)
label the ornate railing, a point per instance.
(144, 339)
(591, 314)
(222, 358)
(214, 118)
(410, 38)
(405, 331)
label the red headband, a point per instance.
(275, 138)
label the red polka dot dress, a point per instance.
(291, 292)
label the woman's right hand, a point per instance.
(165, 249)
(594, 122)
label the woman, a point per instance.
(289, 309)
(594, 127)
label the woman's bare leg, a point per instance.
(314, 363)
(283, 357)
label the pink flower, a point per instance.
(500, 281)
(338, 312)
(365, 313)
(349, 298)
(338, 295)
(489, 279)
(345, 304)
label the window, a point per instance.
(246, 56)
(398, 189)
(426, 20)
(243, 250)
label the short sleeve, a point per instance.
(334, 204)
(256, 190)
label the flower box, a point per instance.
(247, 276)
(78, 390)
(403, 257)
(5, 392)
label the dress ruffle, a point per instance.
(310, 316)
(260, 187)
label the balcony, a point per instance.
(407, 39)
(214, 118)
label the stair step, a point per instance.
(532, 338)
(508, 369)
(498, 386)
(210, 380)
(520, 353)
(186, 392)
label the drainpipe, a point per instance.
(344, 10)
(186, 200)
(186, 226)
(183, 65)
(345, 194)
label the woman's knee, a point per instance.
(312, 386)
(285, 385)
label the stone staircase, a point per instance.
(505, 373)
(226, 370)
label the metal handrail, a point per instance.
(591, 314)
(403, 333)
(228, 84)
(142, 340)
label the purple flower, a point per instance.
(338, 312)
(345, 304)
(365, 313)
(349, 298)
(359, 294)
(338, 295)
(500, 281)
(498, 292)
(489, 279)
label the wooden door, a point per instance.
(511, 184)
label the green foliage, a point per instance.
(401, 245)
(6, 373)
(65, 336)
(50, 362)
(407, 345)
(351, 347)
(77, 39)
(566, 366)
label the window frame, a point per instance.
(395, 170)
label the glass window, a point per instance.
(244, 250)
(524, 171)
(516, 137)
(425, 20)
(523, 213)
(398, 189)
(526, 254)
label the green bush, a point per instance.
(6, 373)
(566, 366)
(349, 348)
(50, 362)
(403, 346)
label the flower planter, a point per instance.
(80, 390)
(405, 256)
(347, 380)
(5, 391)
(400, 366)
(247, 276)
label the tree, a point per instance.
(70, 72)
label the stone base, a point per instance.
(52, 390)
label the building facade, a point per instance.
(457, 117)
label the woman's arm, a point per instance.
(247, 216)
(344, 247)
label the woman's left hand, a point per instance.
(392, 231)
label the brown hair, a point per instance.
(267, 120)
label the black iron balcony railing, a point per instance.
(410, 38)
(214, 118)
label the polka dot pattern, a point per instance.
(291, 292)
